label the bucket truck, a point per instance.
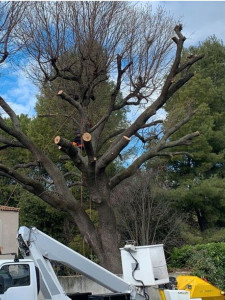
(23, 279)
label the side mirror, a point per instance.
(2, 285)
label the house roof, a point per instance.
(9, 208)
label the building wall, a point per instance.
(82, 284)
(9, 222)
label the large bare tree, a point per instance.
(141, 50)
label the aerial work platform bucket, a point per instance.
(144, 265)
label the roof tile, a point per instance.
(8, 208)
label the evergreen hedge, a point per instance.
(206, 260)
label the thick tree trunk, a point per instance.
(109, 238)
(103, 239)
(107, 243)
(109, 254)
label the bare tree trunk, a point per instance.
(106, 244)
(103, 240)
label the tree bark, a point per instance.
(201, 220)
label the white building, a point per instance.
(9, 222)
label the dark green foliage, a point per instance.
(197, 180)
(9, 194)
(203, 200)
(206, 94)
(206, 260)
(15, 155)
(34, 212)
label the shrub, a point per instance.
(206, 260)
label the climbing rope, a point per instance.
(11, 194)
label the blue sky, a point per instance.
(200, 19)
(17, 89)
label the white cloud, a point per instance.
(19, 92)
(4, 65)
(200, 19)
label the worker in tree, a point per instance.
(77, 141)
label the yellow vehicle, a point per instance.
(190, 287)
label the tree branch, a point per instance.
(25, 166)
(185, 140)
(103, 119)
(29, 184)
(120, 73)
(16, 131)
(72, 151)
(124, 102)
(110, 136)
(10, 15)
(169, 88)
(86, 137)
(153, 123)
(76, 183)
(141, 138)
(12, 115)
(156, 151)
(72, 101)
(72, 174)
(173, 129)
(192, 60)
(9, 143)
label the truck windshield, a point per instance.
(15, 275)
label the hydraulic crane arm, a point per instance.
(41, 248)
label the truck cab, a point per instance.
(18, 280)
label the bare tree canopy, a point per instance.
(10, 15)
(145, 214)
(85, 44)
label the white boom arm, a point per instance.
(40, 247)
